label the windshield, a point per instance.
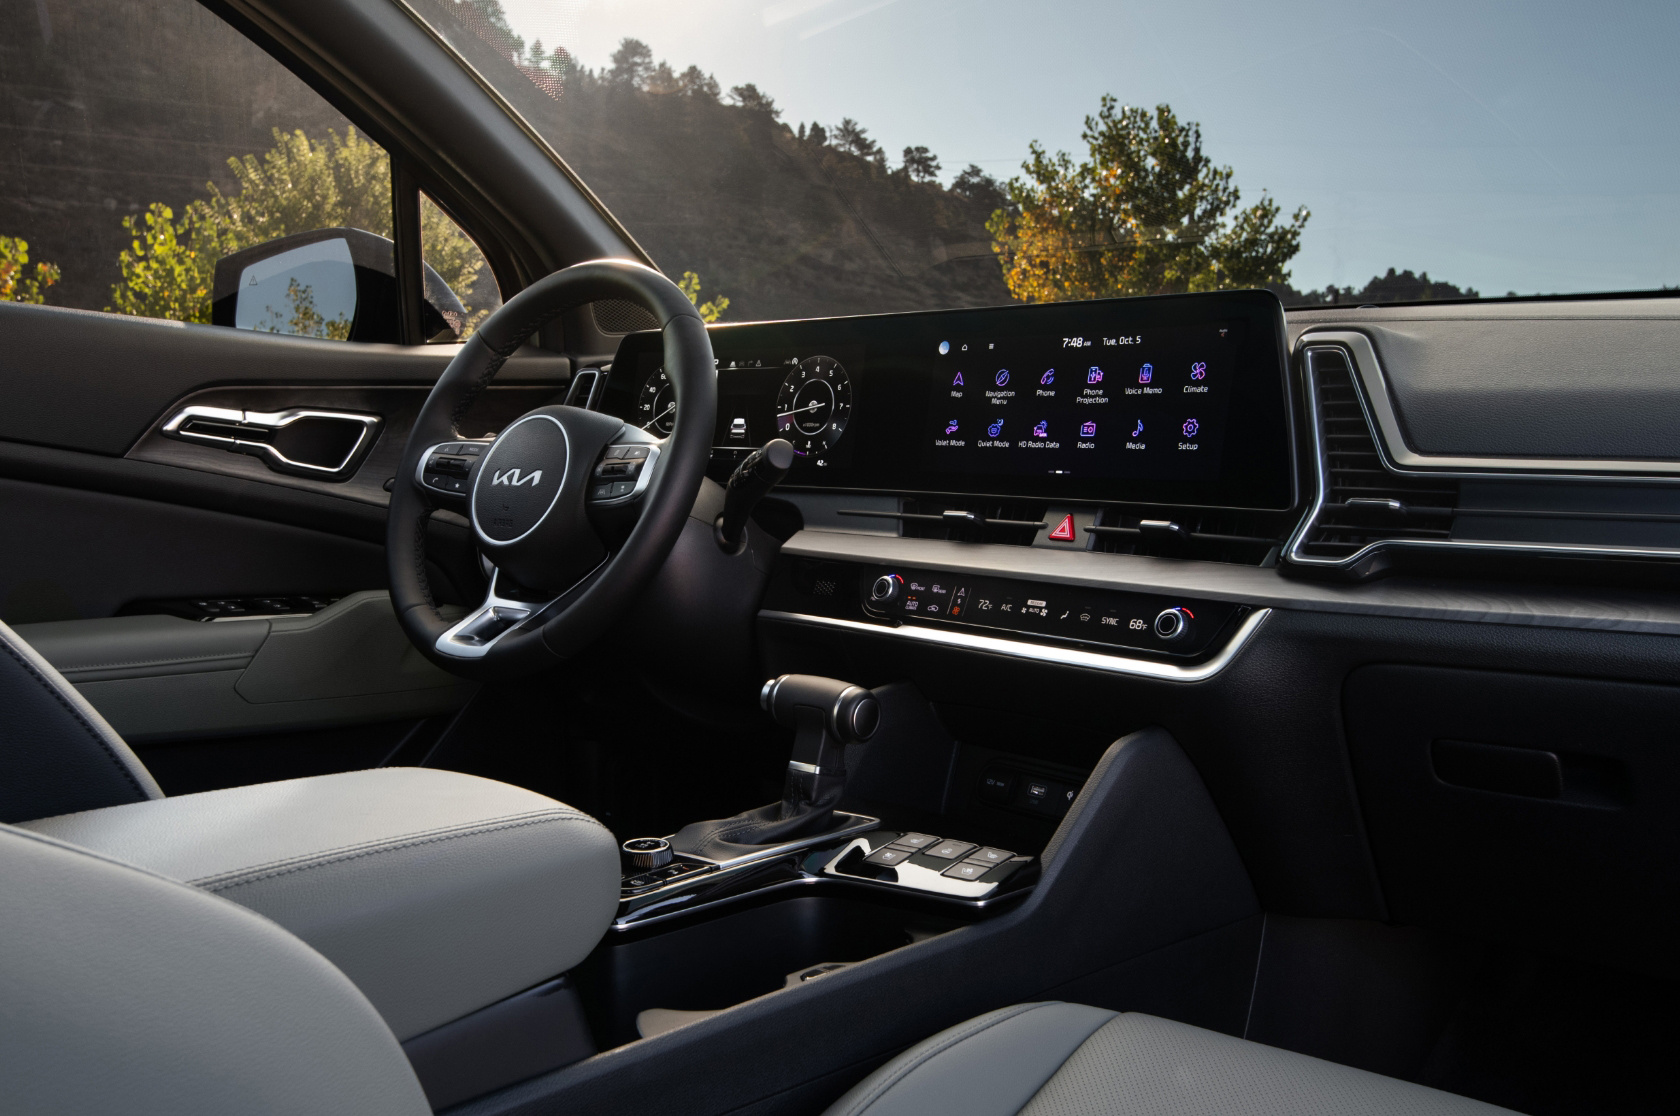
(811, 157)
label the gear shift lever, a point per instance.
(826, 715)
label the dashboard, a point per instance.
(1178, 400)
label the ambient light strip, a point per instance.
(1044, 653)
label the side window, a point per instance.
(154, 162)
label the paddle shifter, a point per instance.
(826, 715)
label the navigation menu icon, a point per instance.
(1002, 377)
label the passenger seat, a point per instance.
(1056, 1059)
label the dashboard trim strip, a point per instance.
(1371, 384)
(1045, 653)
(1294, 550)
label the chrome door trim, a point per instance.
(273, 420)
(1043, 652)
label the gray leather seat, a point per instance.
(1056, 1059)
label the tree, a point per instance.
(538, 56)
(663, 79)
(817, 136)
(695, 82)
(921, 164)
(711, 311)
(632, 64)
(18, 281)
(751, 98)
(1146, 213)
(979, 187)
(168, 270)
(853, 138)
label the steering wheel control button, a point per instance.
(1173, 623)
(951, 850)
(888, 856)
(648, 852)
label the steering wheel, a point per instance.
(575, 509)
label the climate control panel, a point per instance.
(1172, 626)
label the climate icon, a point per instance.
(1190, 427)
(1198, 371)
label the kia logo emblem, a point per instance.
(511, 476)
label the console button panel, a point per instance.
(919, 862)
(1176, 627)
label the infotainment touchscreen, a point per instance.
(1178, 399)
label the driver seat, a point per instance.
(443, 897)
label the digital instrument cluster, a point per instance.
(1175, 399)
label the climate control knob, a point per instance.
(1173, 623)
(886, 589)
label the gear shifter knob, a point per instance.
(850, 713)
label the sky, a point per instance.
(1529, 147)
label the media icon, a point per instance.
(995, 429)
(1190, 427)
(1002, 377)
(1198, 371)
(958, 381)
(1088, 430)
(1042, 429)
(1048, 378)
(951, 427)
(1094, 376)
(1139, 431)
(1146, 373)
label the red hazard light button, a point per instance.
(1064, 530)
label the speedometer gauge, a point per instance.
(814, 404)
(656, 407)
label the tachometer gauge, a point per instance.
(814, 404)
(656, 407)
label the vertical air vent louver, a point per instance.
(1363, 502)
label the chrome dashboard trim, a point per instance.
(1293, 549)
(1371, 385)
(1043, 652)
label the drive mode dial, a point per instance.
(814, 405)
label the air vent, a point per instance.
(616, 315)
(1207, 535)
(1363, 502)
(973, 519)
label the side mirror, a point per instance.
(334, 283)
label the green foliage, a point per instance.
(710, 311)
(18, 281)
(1146, 213)
(754, 99)
(296, 186)
(921, 164)
(306, 321)
(168, 268)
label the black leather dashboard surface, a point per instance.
(1564, 379)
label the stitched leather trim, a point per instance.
(76, 714)
(228, 881)
(976, 1027)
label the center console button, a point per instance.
(991, 856)
(967, 870)
(916, 840)
(887, 856)
(951, 850)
